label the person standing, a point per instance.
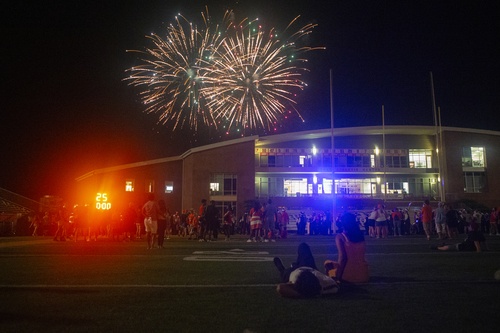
(370, 222)
(62, 220)
(494, 222)
(381, 228)
(285, 218)
(255, 222)
(440, 220)
(397, 217)
(150, 211)
(212, 217)
(426, 217)
(202, 220)
(269, 226)
(35, 223)
(228, 222)
(162, 223)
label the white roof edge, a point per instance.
(166, 159)
(318, 133)
(366, 130)
(219, 145)
(127, 166)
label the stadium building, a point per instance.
(397, 165)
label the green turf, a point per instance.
(122, 287)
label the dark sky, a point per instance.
(65, 109)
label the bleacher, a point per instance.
(14, 207)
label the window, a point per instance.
(223, 184)
(214, 187)
(295, 187)
(169, 187)
(473, 157)
(474, 182)
(150, 186)
(129, 185)
(420, 158)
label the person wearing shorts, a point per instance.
(150, 211)
(381, 228)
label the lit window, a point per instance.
(214, 187)
(420, 158)
(223, 184)
(150, 186)
(129, 185)
(169, 187)
(296, 187)
(473, 157)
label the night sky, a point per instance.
(65, 109)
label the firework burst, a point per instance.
(232, 74)
(259, 76)
(175, 70)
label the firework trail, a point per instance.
(232, 74)
(175, 70)
(258, 77)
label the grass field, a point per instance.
(104, 286)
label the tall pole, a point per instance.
(442, 171)
(384, 154)
(440, 189)
(334, 196)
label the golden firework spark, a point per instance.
(236, 74)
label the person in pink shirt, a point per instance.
(426, 217)
(351, 265)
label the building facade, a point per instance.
(392, 164)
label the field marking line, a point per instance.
(261, 285)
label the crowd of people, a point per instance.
(443, 222)
(264, 222)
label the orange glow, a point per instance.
(101, 201)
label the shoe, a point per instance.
(266, 240)
(254, 240)
(273, 240)
(249, 240)
(279, 264)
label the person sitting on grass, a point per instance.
(351, 265)
(302, 279)
(475, 241)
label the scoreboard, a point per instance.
(102, 201)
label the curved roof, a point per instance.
(365, 130)
(294, 136)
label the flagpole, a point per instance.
(385, 159)
(440, 188)
(334, 196)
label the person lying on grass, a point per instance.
(302, 279)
